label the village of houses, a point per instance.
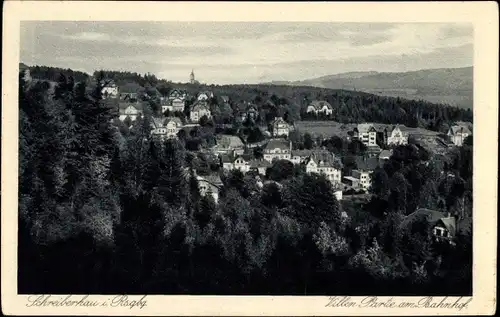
(233, 153)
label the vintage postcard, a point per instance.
(249, 158)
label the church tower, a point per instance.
(191, 77)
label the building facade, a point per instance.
(328, 167)
(395, 136)
(130, 110)
(458, 134)
(199, 109)
(366, 133)
(280, 128)
(320, 107)
(110, 91)
(279, 149)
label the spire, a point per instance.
(191, 77)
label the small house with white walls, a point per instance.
(396, 136)
(129, 109)
(458, 133)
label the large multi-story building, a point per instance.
(279, 149)
(198, 110)
(366, 133)
(320, 107)
(326, 164)
(280, 128)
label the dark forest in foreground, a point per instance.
(108, 211)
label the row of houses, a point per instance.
(318, 161)
(371, 134)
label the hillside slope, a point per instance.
(452, 86)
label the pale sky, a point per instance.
(245, 52)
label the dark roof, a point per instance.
(226, 158)
(128, 95)
(279, 120)
(213, 179)
(367, 163)
(229, 141)
(458, 128)
(277, 143)
(259, 163)
(125, 105)
(246, 157)
(198, 105)
(431, 216)
(318, 104)
(324, 159)
(175, 119)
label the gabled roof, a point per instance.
(174, 119)
(319, 104)
(245, 157)
(277, 143)
(229, 141)
(259, 163)
(279, 120)
(206, 92)
(157, 122)
(125, 105)
(176, 99)
(365, 127)
(449, 223)
(213, 179)
(401, 127)
(431, 216)
(128, 95)
(459, 129)
(324, 159)
(176, 92)
(199, 105)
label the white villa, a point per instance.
(395, 136)
(110, 90)
(280, 128)
(199, 109)
(366, 133)
(209, 185)
(458, 133)
(277, 149)
(131, 110)
(205, 95)
(326, 164)
(320, 106)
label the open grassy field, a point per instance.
(331, 128)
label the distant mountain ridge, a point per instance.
(443, 85)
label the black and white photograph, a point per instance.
(246, 158)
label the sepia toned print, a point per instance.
(308, 160)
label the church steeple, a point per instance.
(191, 77)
